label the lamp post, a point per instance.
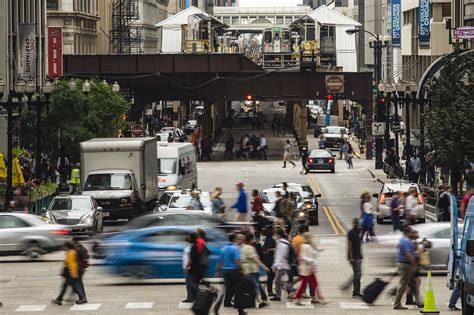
(389, 88)
(400, 88)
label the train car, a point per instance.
(277, 40)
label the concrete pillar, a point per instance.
(207, 127)
(296, 114)
(303, 125)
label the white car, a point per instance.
(384, 249)
(181, 200)
(304, 190)
(385, 197)
(27, 234)
(335, 137)
(269, 198)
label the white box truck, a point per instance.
(120, 173)
(176, 166)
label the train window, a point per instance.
(267, 37)
(285, 35)
(276, 36)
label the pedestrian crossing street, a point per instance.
(150, 305)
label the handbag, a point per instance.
(424, 258)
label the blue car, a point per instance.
(157, 252)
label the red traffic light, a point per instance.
(249, 98)
(382, 100)
(329, 97)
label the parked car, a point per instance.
(27, 234)
(385, 246)
(157, 252)
(321, 160)
(177, 134)
(335, 136)
(190, 126)
(181, 200)
(385, 197)
(310, 200)
(80, 213)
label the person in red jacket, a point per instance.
(257, 212)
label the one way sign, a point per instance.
(378, 128)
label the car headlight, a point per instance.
(301, 214)
(89, 220)
(125, 200)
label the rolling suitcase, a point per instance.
(373, 290)
(205, 300)
(245, 293)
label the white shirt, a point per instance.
(368, 208)
(281, 255)
(186, 252)
(410, 203)
(263, 141)
(307, 260)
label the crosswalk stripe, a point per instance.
(305, 305)
(86, 307)
(186, 306)
(354, 305)
(139, 305)
(31, 308)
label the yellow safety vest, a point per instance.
(75, 176)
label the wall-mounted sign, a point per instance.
(378, 129)
(464, 32)
(27, 51)
(396, 23)
(335, 83)
(424, 23)
(55, 52)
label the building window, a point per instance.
(341, 3)
(244, 20)
(227, 20)
(52, 4)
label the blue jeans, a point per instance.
(396, 223)
(192, 287)
(454, 297)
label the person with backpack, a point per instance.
(268, 248)
(444, 204)
(83, 264)
(284, 258)
(279, 221)
(197, 264)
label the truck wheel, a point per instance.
(466, 308)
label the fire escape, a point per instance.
(124, 36)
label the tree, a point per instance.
(77, 116)
(450, 119)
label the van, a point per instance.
(176, 166)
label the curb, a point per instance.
(375, 177)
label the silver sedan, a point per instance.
(27, 234)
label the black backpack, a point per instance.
(291, 254)
(204, 257)
(82, 257)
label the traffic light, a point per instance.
(329, 97)
(382, 100)
(249, 98)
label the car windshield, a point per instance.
(391, 188)
(70, 204)
(167, 166)
(320, 153)
(271, 197)
(184, 201)
(335, 130)
(108, 182)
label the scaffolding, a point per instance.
(125, 38)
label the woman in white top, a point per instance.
(411, 201)
(367, 216)
(287, 154)
(307, 271)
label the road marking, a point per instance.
(186, 306)
(336, 219)
(86, 307)
(31, 308)
(305, 305)
(330, 220)
(354, 305)
(314, 185)
(140, 305)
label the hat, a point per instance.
(240, 184)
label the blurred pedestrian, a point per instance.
(83, 264)
(282, 266)
(465, 201)
(263, 148)
(349, 155)
(241, 204)
(288, 153)
(190, 287)
(198, 261)
(218, 206)
(250, 266)
(279, 221)
(268, 248)
(257, 213)
(229, 147)
(407, 268)
(75, 178)
(70, 274)
(411, 202)
(444, 204)
(304, 160)
(367, 210)
(395, 208)
(354, 255)
(230, 267)
(415, 167)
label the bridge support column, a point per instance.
(207, 127)
(302, 125)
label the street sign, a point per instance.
(464, 32)
(137, 130)
(378, 128)
(335, 84)
(396, 126)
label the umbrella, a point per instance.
(17, 173)
(3, 168)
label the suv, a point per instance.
(181, 200)
(335, 136)
(385, 197)
(310, 200)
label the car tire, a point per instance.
(466, 308)
(33, 250)
(379, 220)
(422, 220)
(333, 170)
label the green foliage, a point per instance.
(450, 120)
(80, 117)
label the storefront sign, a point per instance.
(396, 23)
(55, 52)
(335, 84)
(424, 23)
(464, 32)
(27, 51)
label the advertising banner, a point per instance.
(55, 52)
(396, 23)
(26, 51)
(424, 23)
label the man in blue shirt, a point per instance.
(230, 267)
(395, 208)
(407, 268)
(241, 204)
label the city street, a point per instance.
(29, 286)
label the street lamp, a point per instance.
(72, 85)
(86, 87)
(116, 87)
